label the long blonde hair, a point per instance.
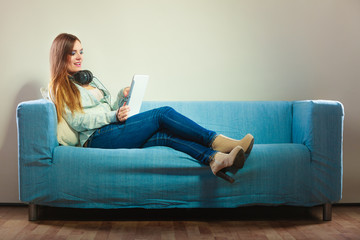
(62, 90)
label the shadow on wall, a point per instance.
(9, 150)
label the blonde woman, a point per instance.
(87, 108)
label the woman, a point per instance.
(87, 108)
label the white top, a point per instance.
(98, 94)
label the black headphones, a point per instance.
(82, 77)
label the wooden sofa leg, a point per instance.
(327, 212)
(33, 212)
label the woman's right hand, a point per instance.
(123, 113)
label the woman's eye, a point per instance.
(74, 52)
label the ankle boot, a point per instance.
(222, 161)
(225, 144)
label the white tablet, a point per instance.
(136, 93)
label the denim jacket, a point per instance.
(96, 114)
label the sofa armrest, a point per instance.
(37, 126)
(319, 125)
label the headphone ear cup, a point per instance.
(89, 76)
(83, 77)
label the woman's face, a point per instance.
(75, 58)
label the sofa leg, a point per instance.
(33, 212)
(327, 212)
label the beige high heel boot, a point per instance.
(225, 144)
(222, 161)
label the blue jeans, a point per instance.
(158, 127)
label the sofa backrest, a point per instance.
(269, 121)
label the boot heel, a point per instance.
(224, 176)
(250, 147)
(239, 159)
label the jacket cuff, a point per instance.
(113, 117)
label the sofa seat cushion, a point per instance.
(164, 178)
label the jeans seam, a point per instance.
(176, 142)
(210, 158)
(188, 128)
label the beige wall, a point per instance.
(193, 50)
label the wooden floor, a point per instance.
(241, 223)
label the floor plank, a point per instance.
(244, 223)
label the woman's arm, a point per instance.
(91, 118)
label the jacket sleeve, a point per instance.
(87, 121)
(94, 115)
(120, 100)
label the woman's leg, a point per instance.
(178, 125)
(218, 161)
(134, 132)
(166, 127)
(195, 150)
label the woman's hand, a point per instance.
(123, 113)
(126, 91)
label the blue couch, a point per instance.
(296, 160)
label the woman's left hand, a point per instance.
(126, 91)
